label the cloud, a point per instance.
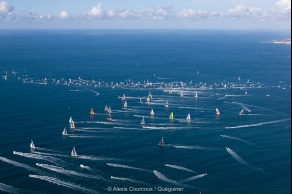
(64, 15)
(96, 11)
(193, 14)
(6, 10)
(243, 11)
(283, 5)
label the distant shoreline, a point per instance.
(288, 42)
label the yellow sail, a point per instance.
(171, 115)
(92, 111)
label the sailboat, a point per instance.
(150, 95)
(148, 98)
(123, 97)
(64, 131)
(161, 143)
(109, 110)
(70, 120)
(72, 125)
(32, 145)
(152, 112)
(217, 111)
(143, 121)
(171, 116)
(125, 105)
(106, 108)
(73, 152)
(188, 117)
(140, 101)
(109, 117)
(166, 104)
(181, 94)
(91, 111)
(241, 112)
(196, 95)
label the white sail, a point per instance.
(70, 120)
(72, 125)
(73, 152)
(196, 95)
(241, 112)
(32, 145)
(64, 131)
(143, 121)
(125, 105)
(217, 111)
(105, 108)
(124, 97)
(161, 143)
(188, 117)
(166, 104)
(152, 112)
(140, 101)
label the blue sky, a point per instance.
(161, 14)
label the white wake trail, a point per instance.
(20, 165)
(180, 168)
(165, 179)
(9, 189)
(193, 147)
(69, 172)
(127, 179)
(194, 177)
(258, 124)
(63, 183)
(236, 156)
(126, 166)
(40, 157)
(238, 139)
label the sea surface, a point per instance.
(49, 75)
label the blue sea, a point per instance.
(48, 76)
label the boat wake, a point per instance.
(20, 165)
(180, 168)
(69, 172)
(238, 139)
(127, 179)
(9, 189)
(126, 166)
(40, 157)
(236, 156)
(258, 124)
(90, 169)
(194, 177)
(194, 147)
(63, 183)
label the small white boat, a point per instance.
(196, 95)
(188, 117)
(73, 152)
(217, 111)
(143, 121)
(125, 105)
(241, 112)
(70, 120)
(140, 101)
(166, 104)
(64, 131)
(106, 108)
(32, 145)
(161, 143)
(152, 112)
(109, 110)
(124, 97)
(72, 125)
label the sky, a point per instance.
(146, 14)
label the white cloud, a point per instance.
(283, 5)
(64, 15)
(96, 11)
(6, 10)
(193, 14)
(243, 11)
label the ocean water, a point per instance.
(48, 76)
